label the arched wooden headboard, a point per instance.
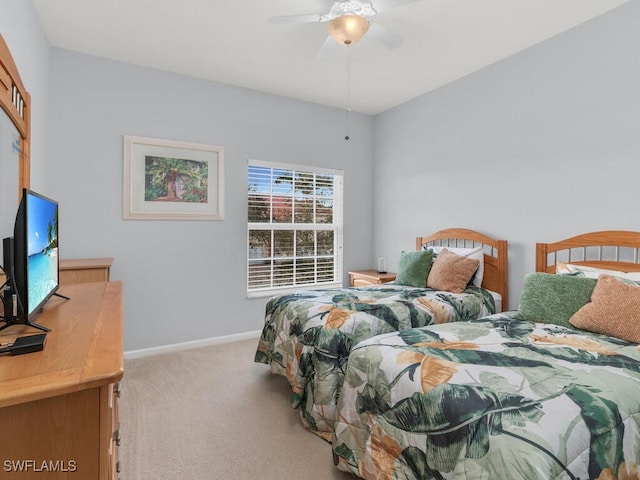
(16, 102)
(608, 249)
(496, 263)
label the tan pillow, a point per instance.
(614, 310)
(451, 272)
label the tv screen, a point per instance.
(35, 255)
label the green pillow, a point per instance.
(414, 268)
(550, 298)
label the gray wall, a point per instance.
(536, 148)
(186, 280)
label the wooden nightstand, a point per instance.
(362, 278)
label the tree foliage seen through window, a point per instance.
(292, 230)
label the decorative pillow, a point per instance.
(451, 272)
(476, 252)
(614, 310)
(593, 272)
(414, 268)
(549, 298)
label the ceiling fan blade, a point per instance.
(384, 5)
(389, 39)
(328, 47)
(294, 19)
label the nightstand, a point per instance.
(362, 278)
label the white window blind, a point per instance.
(294, 227)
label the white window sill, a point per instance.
(282, 291)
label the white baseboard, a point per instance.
(176, 347)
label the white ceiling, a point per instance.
(232, 41)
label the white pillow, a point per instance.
(593, 272)
(475, 252)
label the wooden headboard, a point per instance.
(495, 276)
(610, 249)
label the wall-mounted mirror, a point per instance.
(15, 115)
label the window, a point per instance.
(294, 227)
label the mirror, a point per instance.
(9, 160)
(14, 139)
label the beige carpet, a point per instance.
(213, 414)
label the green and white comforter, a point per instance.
(307, 335)
(494, 398)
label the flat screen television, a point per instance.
(31, 261)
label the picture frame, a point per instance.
(172, 180)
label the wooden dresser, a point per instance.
(59, 407)
(81, 270)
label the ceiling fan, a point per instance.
(348, 21)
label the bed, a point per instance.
(307, 335)
(510, 395)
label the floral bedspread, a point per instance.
(307, 335)
(488, 399)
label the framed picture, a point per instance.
(171, 180)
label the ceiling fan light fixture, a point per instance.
(348, 29)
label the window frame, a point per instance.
(336, 226)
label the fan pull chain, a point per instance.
(346, 137)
